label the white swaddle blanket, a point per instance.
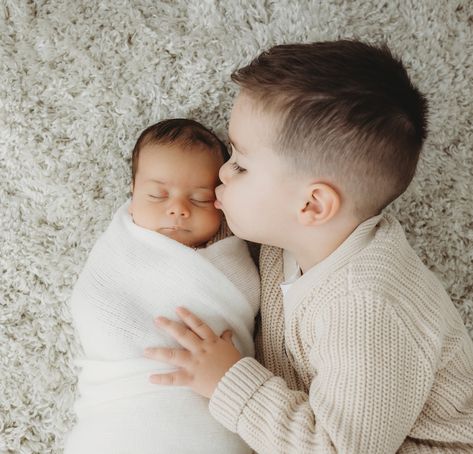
(131, 276)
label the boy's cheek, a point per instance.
(240, 222)
(237, 202)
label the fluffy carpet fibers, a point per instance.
(80, 79)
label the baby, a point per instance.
(174, 191)
(166, 247)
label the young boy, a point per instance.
(359, 349)
(162, 246)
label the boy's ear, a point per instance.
(322, 202)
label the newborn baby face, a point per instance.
(174, 192)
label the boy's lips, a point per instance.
(218, 194)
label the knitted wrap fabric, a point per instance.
(132, 275)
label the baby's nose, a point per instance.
(179, 209)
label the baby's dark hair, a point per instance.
(344, 110)
(180, 131)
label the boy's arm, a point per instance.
(370, 382)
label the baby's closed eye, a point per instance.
(162, 196)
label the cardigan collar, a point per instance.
(356, 242)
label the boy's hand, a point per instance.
(204, 359)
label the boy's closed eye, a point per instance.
(237, 168)
(234, 165)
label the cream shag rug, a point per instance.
(80, 79)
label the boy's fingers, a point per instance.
(175, 356)
(196, 324)
(186, 337)
(179, 378)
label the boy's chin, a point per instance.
(259, 239)
(243, 235)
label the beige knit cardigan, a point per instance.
(366, 354)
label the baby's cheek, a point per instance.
(216, 218)
(212, 221)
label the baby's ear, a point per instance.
(130, 211)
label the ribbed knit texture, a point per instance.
(371, 354)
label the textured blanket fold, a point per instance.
(131, 276)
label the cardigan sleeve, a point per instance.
(370, 382)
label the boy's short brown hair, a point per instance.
(347, 111)
(181, 131)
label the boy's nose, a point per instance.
(223, 173)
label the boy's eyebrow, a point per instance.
(236, 146)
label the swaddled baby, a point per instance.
(164, 248)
